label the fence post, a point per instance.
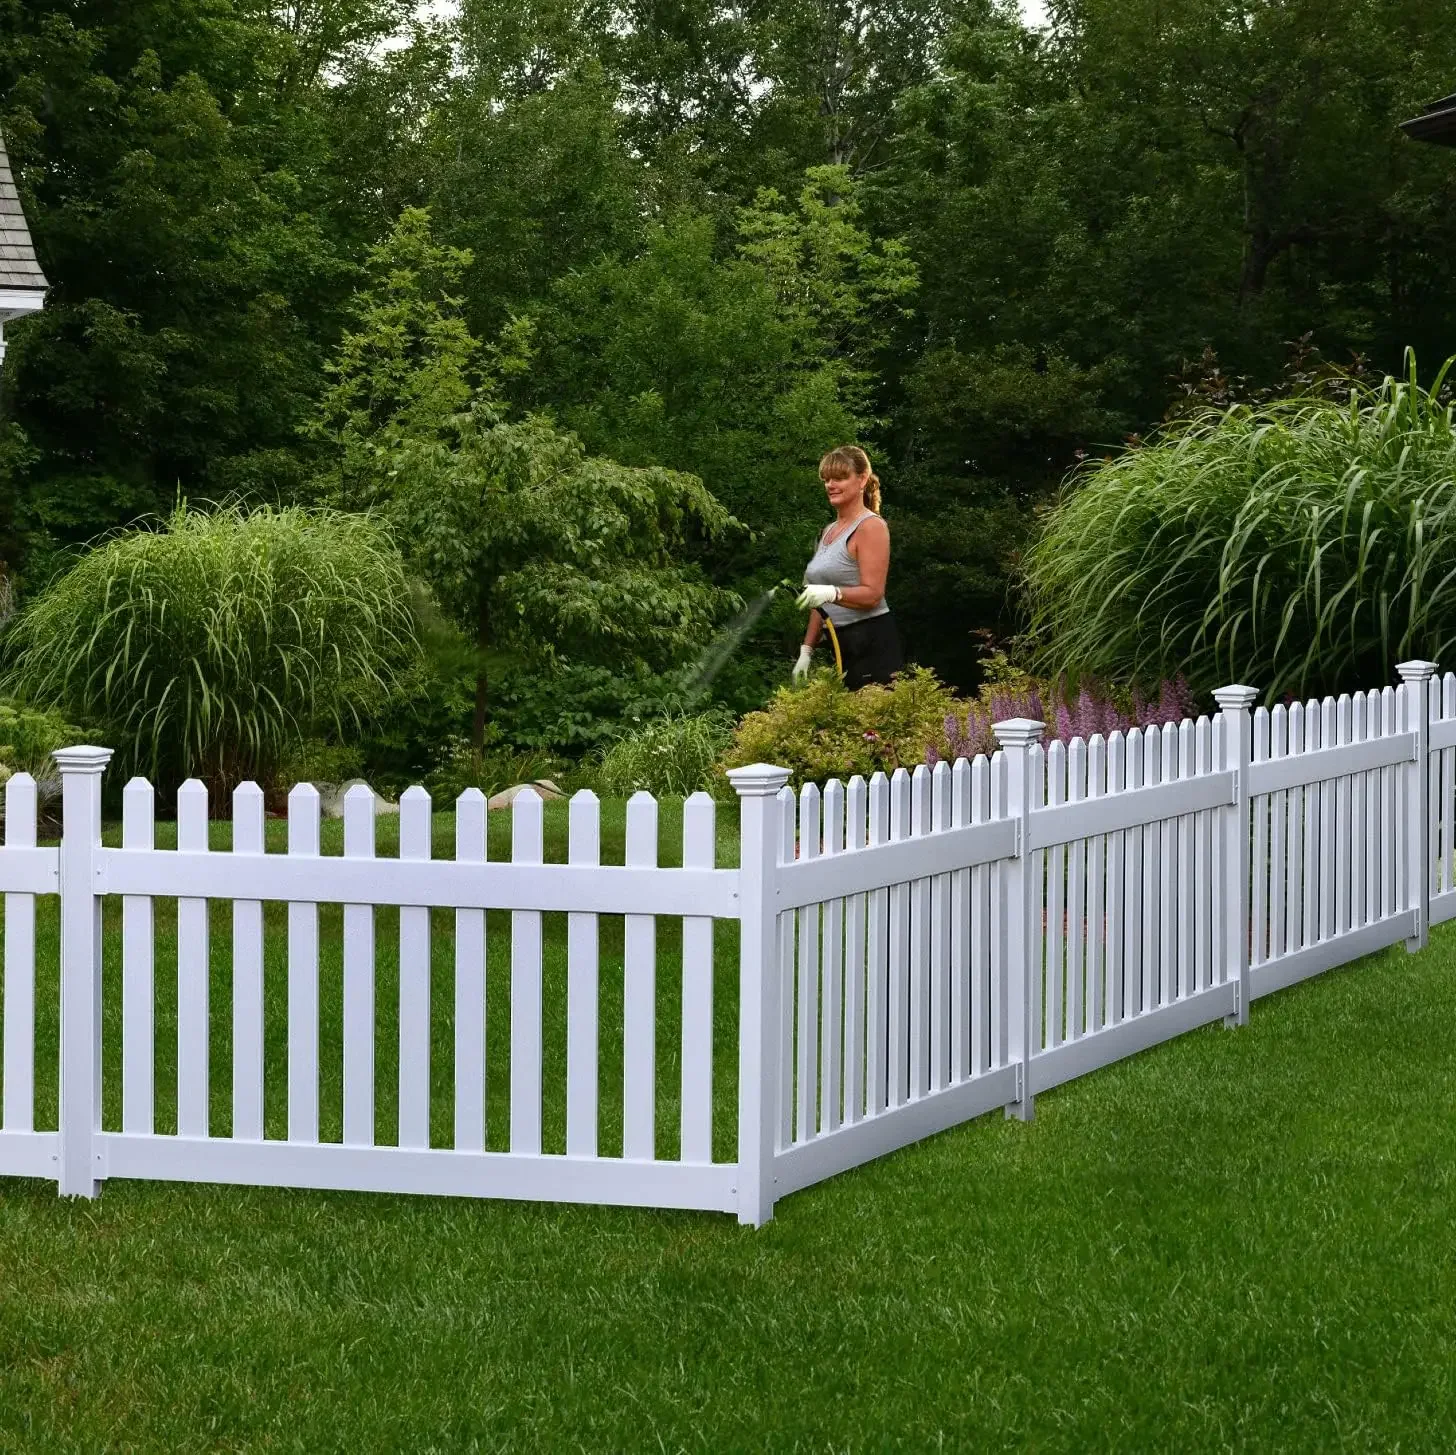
(759, 1010)
(1018, 736)
(80, 1118)
(1238, 750)
(1415, 678)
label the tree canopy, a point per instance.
(702, 242)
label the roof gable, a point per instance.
(18, 266)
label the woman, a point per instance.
(845, 581)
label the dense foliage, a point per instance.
(531, 547)
(716, 241)
(217, 642)
(669, 756)
(1303, 546)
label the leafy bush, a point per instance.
(669, 757)
(822, 730)
(1300, 546)
(28, 737)
(213, 643)
(318, 761)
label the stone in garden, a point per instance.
(331, 798)
(542, 788)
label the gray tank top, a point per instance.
(832, 565)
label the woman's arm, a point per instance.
(813, 630)
(870, 547)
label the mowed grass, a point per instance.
(1239, 1240)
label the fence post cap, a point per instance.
(82, 759)
(1237, 698)
(1018, 732)
(1416, 671)
(758, 780)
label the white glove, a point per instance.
(801, 667)
(814, 596)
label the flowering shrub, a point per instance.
(1095, 710)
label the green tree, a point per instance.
(741, 370)
(531, 546)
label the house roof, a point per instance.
(1436, 123)
(18, 265)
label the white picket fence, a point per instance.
(912, 952)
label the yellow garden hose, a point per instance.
(834, 642)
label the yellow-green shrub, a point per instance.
(822, 730)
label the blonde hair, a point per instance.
(846, 460)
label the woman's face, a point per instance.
(848, 489)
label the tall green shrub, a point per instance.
(1300, 546)
(215, 642)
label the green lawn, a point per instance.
(1238, 1240)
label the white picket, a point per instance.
(920, 973)
(980, 932)
(470, 979)
(583, 983)
(193, 974)
(1095, 994)
(17, 1095)
(1294, 838)
(248, 975)
(1392, 839)
(1152, 859)
(525, 1122)
(1373, 814)
(1186, 868)
(831, 987)
(1168, 871)
(1133, 895)
(303, 981)
(959, 912)
(1000, 969)
(856, 827)
(1259, 855)
(359, 979)
(788, 821)
(1448, 788)
(877, 961)
(699, 852)
(940, 923)
(898, 1053)
(1036, 770)
(1076, 937)
(1056, 868)
(1204, 865)
(1115, 921)
(1311, 807)
(1329, 851)
(138, 987)
(1359, 850)
(1278, 837)
(807, 1080)
(415, 843)
(1219, 950)
(1340, 829)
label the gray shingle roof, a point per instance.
(18, 267)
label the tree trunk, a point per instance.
(482, 641)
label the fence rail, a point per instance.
(911, 952)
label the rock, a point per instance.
(508, 796)
(331, 798)
(542, 788)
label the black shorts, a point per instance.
(871, 651)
